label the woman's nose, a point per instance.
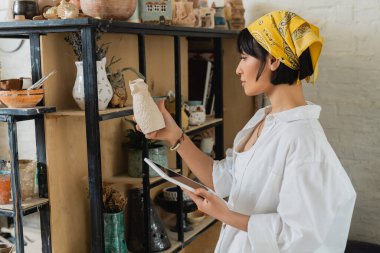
(238, 70)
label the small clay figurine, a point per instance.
(67, 10)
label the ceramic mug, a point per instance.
(197, 114)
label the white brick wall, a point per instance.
(349, 92)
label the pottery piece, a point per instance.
(26, 8)
(172, 207)
(44, 5)
(183, 14)
(170, 194)
(196, 217)
(114, 237)
(51, 13)
(11, 84)
(21, 98)
(67, 10)
(119, 98)
(77, 3)
(156, 11)
(157, 154)
(220, 18)
(197, 114)
(207, 145)
(105, 92)
(27, 170)
(109, 9)
(159, 239)
(236, 18)
(205, 17)
(146, 111)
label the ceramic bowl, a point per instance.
(170, 194)
(21, 98)
(11, 84)
(196, 216)
(109, 9)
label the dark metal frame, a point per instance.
(87, 26)
(12, 116)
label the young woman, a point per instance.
(287, 190)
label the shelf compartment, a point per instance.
(124, 178)
(111, 113)
(210, 122)
(28, 206)
(189, 236)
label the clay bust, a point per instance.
(146, 112)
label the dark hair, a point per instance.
(283, 74)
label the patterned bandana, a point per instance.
(286, 36)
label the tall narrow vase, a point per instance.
(114, 236)
(105, 91)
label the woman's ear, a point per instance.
(273, 63)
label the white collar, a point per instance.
(309, 111)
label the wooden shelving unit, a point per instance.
(80, 130)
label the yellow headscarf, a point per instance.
(286, 36)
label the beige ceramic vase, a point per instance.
(146, 112)
(109, 9)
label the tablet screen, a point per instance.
(185, 180)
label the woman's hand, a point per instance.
(214, 206)
(210, 204)
(171, 133)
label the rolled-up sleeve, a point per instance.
(311, 196)
(222, 175)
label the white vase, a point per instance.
(146, 112)
(105, 91)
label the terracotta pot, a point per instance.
(109, 9)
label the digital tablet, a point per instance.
(175, 178)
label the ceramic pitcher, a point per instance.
(147, 114)
(105, 91)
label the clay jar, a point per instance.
(109, 9)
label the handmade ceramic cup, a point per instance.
(197, 114)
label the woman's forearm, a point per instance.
(236, 220)
(198, 162)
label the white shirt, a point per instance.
(291, 184)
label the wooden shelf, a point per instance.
(210, 122)
(7, 29)
(124, 178)
(198, 229)
(28, 206)
(24, 113)
(103, 115)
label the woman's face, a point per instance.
(247, 70)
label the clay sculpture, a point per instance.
(147, 114)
